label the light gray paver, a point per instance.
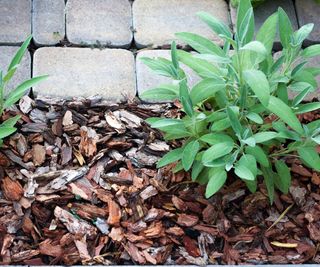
(156, 21)
(24, 70)
(105, 22)
(308, 11)
(147, 79)
(261, 13)
(48, 21)
(85, 72)
(15, 21)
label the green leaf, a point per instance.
(267, 32)
(245, 21)
(255, 117)
(264, 136)
(174, 57)
(200, 44)
(300, 96)
(255, 46)
(305, 76)
(164, 123)
(300, 35)
(259, 84)
(303, 108)
(6, 131)
(243, 172)
(17, 93)
(285, 113)
(11, 122)
(161, 66)
(189, 153)
(285, 28)
(250, 162)
(10, 73)
(217, 178)
(216, 25)
(163, 92)
(185, 98)
(300, 86)
(220, 125)
(206, 89)
(202, 67)
(284, 177)
(259, 155)
(214, 58)
(246, 31)
(18, 56)
(268, 175)
(310, 157)
(311, 51)
(217, 151)
(197, 168)
(234, 121)
(216, 138)
(170, 157)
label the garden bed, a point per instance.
(79, 186)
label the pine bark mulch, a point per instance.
(79, 186)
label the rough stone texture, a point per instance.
(84, 72)
(100, 22)
(261, 13)
(147, 79)
(156, 21)
(48, 21)
(308, 11)
(15, 21)
(24, 70)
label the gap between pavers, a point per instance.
(85, 72)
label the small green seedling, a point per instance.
(9, 97)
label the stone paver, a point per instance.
(156, 21)
(147, 79)
(261, 13)
(48, 21)
(24, 70)
(308, 11)
(101, 22)
(85, 72)
(15, 21)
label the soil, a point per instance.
(79, 186)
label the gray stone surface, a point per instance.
(101, 22)
(308, 11)
(24, 70)
(48, 21)
(147, 79)
(15, 21)
(156, 21)
(261, 13)
(84, 72)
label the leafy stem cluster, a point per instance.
(9, 96)
(239, 118)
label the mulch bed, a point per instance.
(79, 186)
